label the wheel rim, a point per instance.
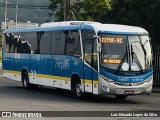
(24, 82)
(79, 90)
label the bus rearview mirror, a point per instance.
(99, 47)
(98, 41)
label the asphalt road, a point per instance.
(14, 98)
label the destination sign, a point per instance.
(112, 61)
(111, 40)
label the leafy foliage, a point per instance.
(96, 10)
(58, 9)
(80, 10)
(143, 13)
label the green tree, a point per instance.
(95, 10)
(73, 9)
(57, 7)
(143, 13)
(80, 9)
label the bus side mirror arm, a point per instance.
(98, 41)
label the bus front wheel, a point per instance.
(121, 97)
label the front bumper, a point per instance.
(107, 88)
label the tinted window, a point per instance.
(87, 37)
(114, 51)
(32, 40)
(45, 43)
(10, 41)
(89, 47)
(58, 43)
(73, 43)
(5, 42)
(23, 45)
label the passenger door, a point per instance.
(90, 62)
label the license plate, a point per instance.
(129, 92)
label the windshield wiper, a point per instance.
(142, 45)
(134, 57)
(122, 61)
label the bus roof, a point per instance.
(118, 29)
(96, 26)
(68, 23)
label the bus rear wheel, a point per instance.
(121, 97)
(25, 81)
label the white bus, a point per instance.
(81, 56)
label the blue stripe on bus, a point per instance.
(128, 79)
(56, 65)
(60, 65)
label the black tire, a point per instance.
(78, 90)
(121, 97)
(25, 81)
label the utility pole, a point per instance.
(65, 10)
(16, 13)
(5, 19)
(68, 10)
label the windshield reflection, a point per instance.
(126, 53)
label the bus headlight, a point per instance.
(149, 79)
(107, 79)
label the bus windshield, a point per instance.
(125, 53)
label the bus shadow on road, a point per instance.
(109, 99)
(156, 89)
(67, 96)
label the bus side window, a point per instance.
(89, 48)
(45, 43)
(32, 40)
(10, 43)
(58, 43)
(73, 43)
(39, 37)
(11, 40)
(6, 42)
(20, 44)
